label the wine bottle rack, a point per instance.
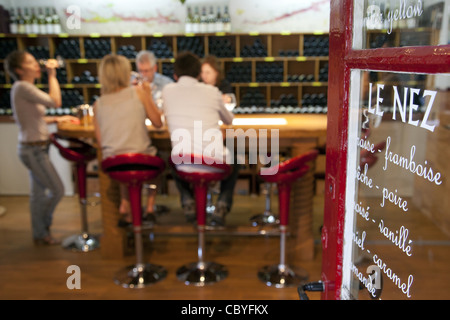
(269, 73)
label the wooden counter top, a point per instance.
(306, 125)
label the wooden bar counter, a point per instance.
(297, 134)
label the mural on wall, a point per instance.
(169, 16)
(116, 17)
(284, 15)
(147, 17)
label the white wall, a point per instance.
(168, 16)
(14, 179)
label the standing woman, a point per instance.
(29, 105)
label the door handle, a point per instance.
(317, 286)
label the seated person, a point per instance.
(148, 69)
(119, 120)
(212, 74)
(187, 104)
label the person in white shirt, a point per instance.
(191, 108)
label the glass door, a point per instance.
(386, 232)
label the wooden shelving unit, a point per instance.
(285, 49)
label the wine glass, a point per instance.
(157, 96)
(59, 60)
(85, 113)
(135, 77)
(230, 101)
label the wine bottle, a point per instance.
(204, 21)
(219, 22)
(211, 20)
(20, 22)
(196, 21)
(226, 20)
(56, 23)
(188, 27)
(48, 21)
(34, 22)
(41, 22)
(27, 19)
(12, 21)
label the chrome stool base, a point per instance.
(264, 220)
(282, 276)
(83, 242)
(135, 277)
(200, 274)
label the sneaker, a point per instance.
(217, 219)
(160, 209)
(124, 223)
(148, 221)
(149, 218)
(47, 241)
(190, 212)
(125, 220)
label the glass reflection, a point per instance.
(398, 217)
(400, 23)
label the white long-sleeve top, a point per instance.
(29, 104)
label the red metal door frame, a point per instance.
(342, 59)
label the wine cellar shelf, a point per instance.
(269, 73)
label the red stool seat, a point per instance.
(80, 153)
(130, 168)
(203, 171)
(133, 169)
(284, 174)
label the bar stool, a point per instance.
(133, 169)
(284, 174)
(80, 153)
(202, 172)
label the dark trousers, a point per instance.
(226, 187)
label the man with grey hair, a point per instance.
(147, 67)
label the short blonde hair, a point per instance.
(114, 73)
